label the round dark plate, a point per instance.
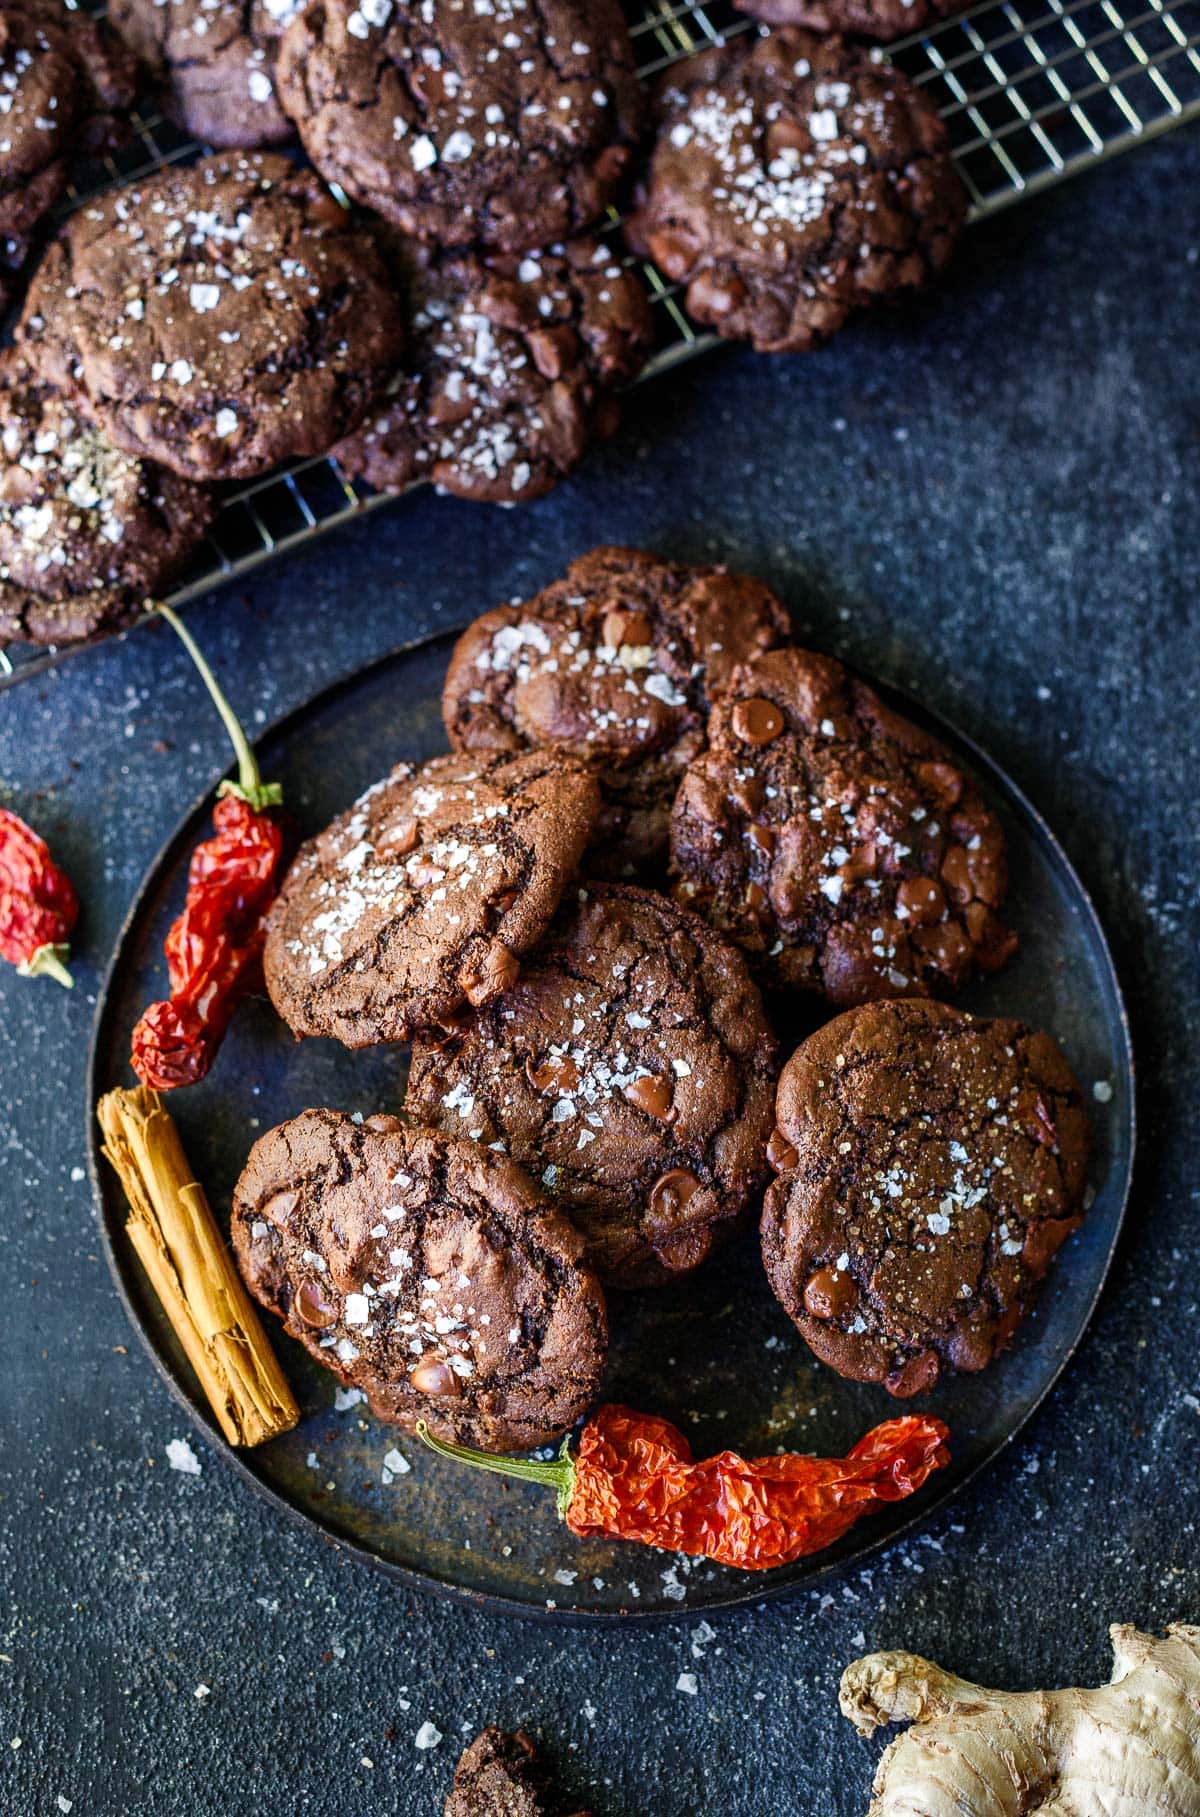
(714, 1353)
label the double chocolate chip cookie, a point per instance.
(64, 83)
(879, 19)
(502, 1775)
(505, 126)
(615, 663)
(426, 894)
(511, 371)
(932, 1164)
(631, 1070)
(219, 319)
(837, 842)
(794, 179)
(426, 1271)
(87, 534)
(212, 64)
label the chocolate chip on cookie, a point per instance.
(426, 1271)
(835, 841)
(219, 319)
(212, 64)
(64, 83)
(511, 371)
(932, 1163)
(795, 178)
(502, 1775)
(425, 894)
(631, 1069)
(614, 662)
(87, 533)
(506, 127)
(879, 19)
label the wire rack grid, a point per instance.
(1032, 92)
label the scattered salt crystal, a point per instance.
(181, 1457)
(427, 1736)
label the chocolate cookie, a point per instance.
(502, 1775)
(506, 126)
(219, 319)
(836, 841)
(613, 662)
(64, 81)
(212, 63)
(425, 894)
(425, 1271)
(932, 1164)
(795, 179)
(880, 19)
(510, 373)
(631, 1069)
(87, 534)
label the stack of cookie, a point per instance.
(465, 325)
(655, 806)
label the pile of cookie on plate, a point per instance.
(461, 322)
(656, 810)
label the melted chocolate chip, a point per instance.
(653, 1095)
(433, 1376)
(312, 1306)
(757, 721)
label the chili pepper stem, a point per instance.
(558, 1475)
(249, 785)
(49, 962)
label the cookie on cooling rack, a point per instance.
(506, 127)
(502, 1775)
(882, 20)
(426, 1271)
(212, 64)
(613, 662)
(794, 179)
(931, 1165)
(631, 1069)
(426, 894)
(838, 843)
(87, 533)
(219, 319)
(511, 370)
(65, 81)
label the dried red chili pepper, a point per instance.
(38, 904)
(634, 1477)
(214, 949)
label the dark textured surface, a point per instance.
(990, 498)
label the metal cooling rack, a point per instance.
(1031, 92)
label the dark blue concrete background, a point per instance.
(991, 499)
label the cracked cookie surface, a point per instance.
(509, 127)
(931, 1164)
(502, 1775)
(212, 63)
(87, 533)
(614, 662)
(795, 179)
(64, 82)
(631, 1069)
(425, 1271)
(425, 894)
(882, 20)
(836, 841)
(219, 319)
(511, 371)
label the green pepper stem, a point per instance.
(558, 1475)
(49, 962)
(249, 785)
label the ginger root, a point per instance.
(1131, 1748)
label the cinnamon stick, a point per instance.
(177, 1241)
